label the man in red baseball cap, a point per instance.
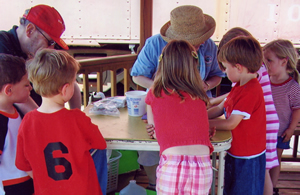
(49, 22)
(40, 27)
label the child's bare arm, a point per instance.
(142, 81)
(150, 127)
(288, 133)
(226, 124)
(217, 100)
(216, 111)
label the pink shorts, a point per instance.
(183, 174)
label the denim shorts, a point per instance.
(283, 145)
(244, 176)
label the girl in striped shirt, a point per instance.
(280, 58)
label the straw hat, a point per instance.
(188, 23)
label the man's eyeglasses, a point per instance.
(50, 42)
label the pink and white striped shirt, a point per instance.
(272, 119)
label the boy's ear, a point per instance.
(64, 89)
(30, 28)
(7, 89)
(239, 67)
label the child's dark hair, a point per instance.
(12, 69)
(177, 71)
(245, 51)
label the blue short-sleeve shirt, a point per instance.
(147, 60)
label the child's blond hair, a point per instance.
(285, 49)
(50, 70)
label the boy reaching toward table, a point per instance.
(271, 114)
(53, 142)
(14, 88)
(245, 114)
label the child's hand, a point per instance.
(287, 134)
(212, 132)
(151, 131)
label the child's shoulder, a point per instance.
(78, 115)
(294, 87)
(252, 85)
(294, 83)
(250, 91)
(74, 112)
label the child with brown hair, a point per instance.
(14, 88)
(177, 108)
(281, 57)
(53, 142)
(245, 114)
(271, 114)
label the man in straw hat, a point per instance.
(187, 23)
(40, 27)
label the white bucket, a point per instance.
(136, 103)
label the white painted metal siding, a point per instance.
(90, 22)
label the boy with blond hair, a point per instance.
(245, 115)
(14, 88)
(53, 142)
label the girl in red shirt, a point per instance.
(177, 107)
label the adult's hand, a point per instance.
(27, 106)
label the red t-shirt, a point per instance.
(249, 137)
(179, 123)
(56, 148)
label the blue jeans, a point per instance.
(100, 162)
(244, 176)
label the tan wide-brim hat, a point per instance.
(188, 23)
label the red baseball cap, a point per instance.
(49, 20)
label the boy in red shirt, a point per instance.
(245, 115)
(53, 142)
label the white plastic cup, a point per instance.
(136, 103)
